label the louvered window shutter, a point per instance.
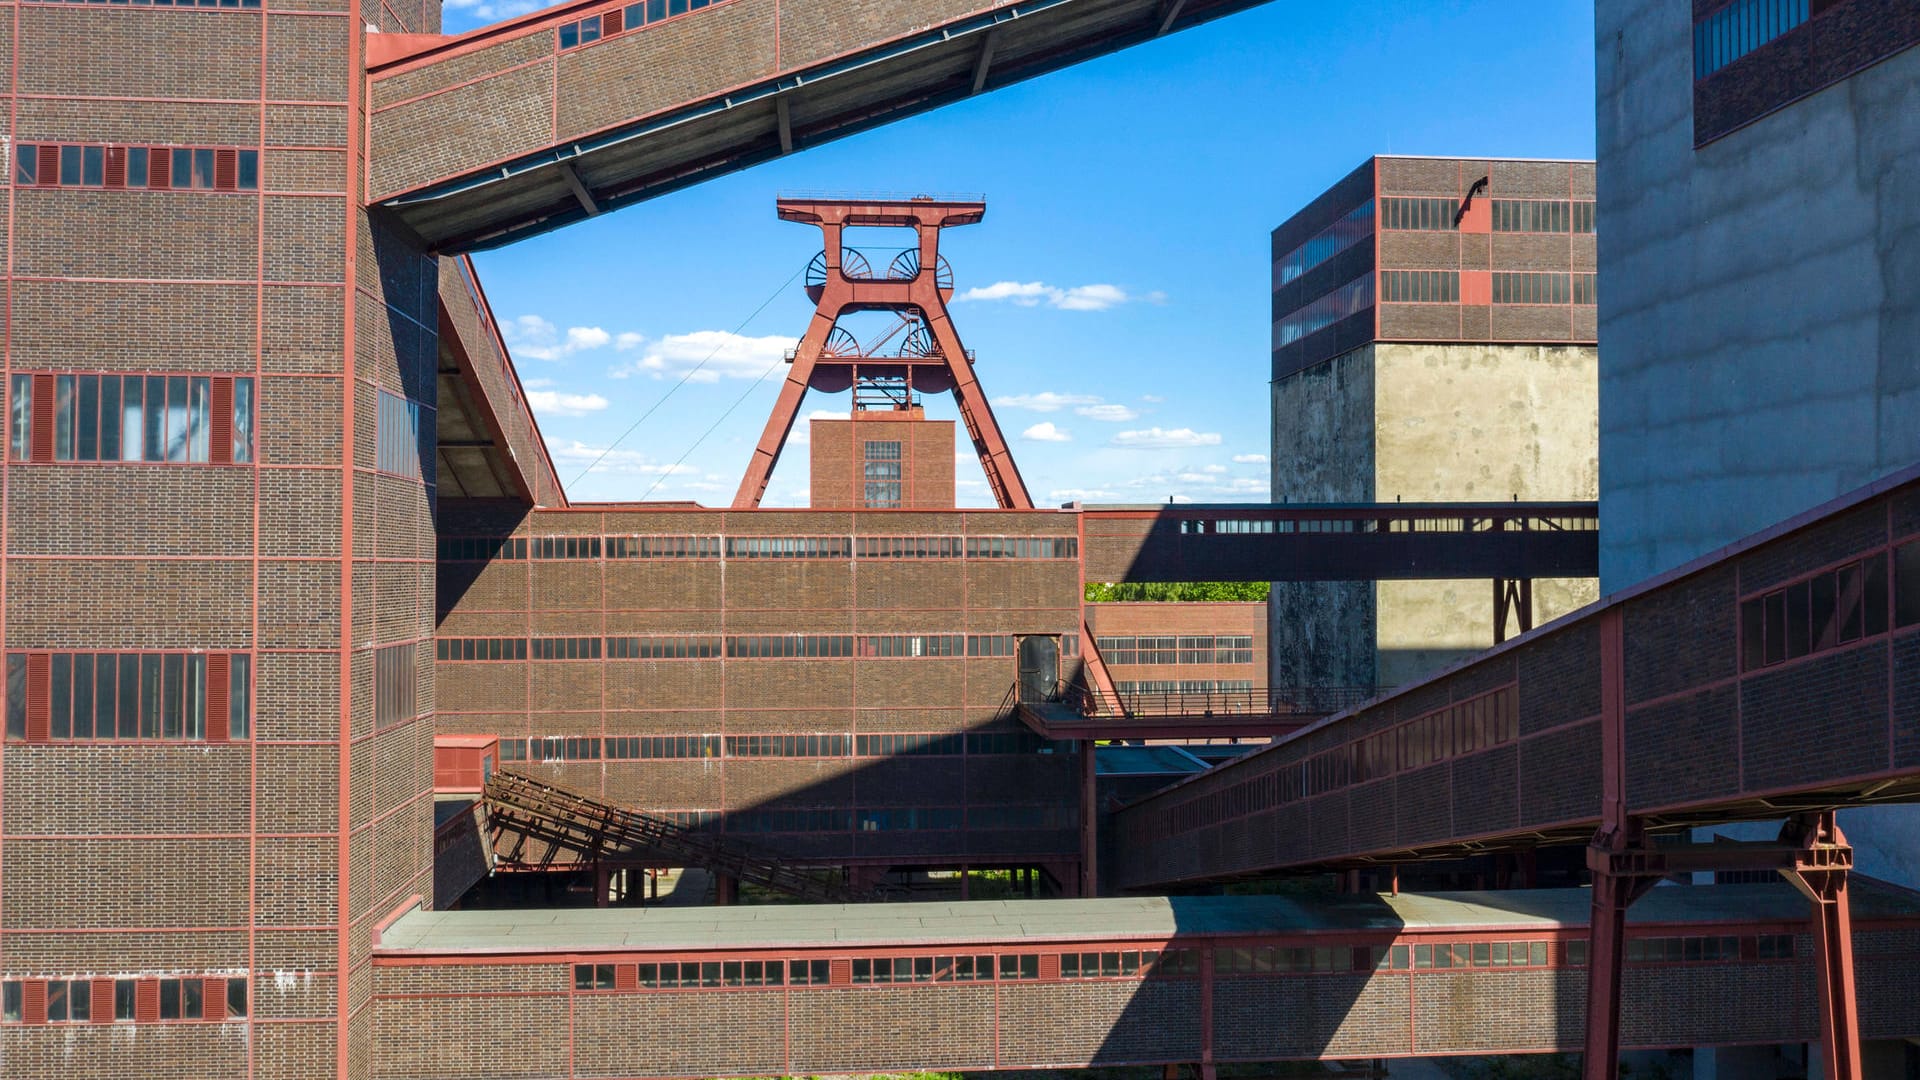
(39, 707)
(610, 22)
(42, 448)
(146, 1001)
(840, 973)
(213, 992)
(116, 167)
(34, 1006)
(226, 170)
(218, 685)
(103, 1001)
(49, 170)
(220, 431)
(159, 168)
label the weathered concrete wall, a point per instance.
(1476, 422)
(1321, 633)
(1759, 297)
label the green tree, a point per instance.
(1175, 592)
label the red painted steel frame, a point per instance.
(921, 295)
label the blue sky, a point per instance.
(1129, 199)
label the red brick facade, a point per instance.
(914, 455)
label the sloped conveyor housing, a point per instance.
(553, 818)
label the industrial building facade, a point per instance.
(1433, 339)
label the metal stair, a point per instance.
(594, 829)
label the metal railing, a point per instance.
(1303, 702)
(595, 829)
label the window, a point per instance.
(159, 168)
(1830, 609)
(881, 471)
(1023, 547)
(910, 819)
(122, 697)
(645, 747)
(910, 645)
(394, 677)
(566, 547)
(1001, 817)
(1583, 217)
(658, 647)
(150, 418)
(1906, 581)
(1681, 950)
(892, 745)
(593, 976)
(1356, 225)
(808, 972)
(790, 821)
(481, 549)
(1024, 966)
(787, 547)
(566, 648)
(1420, 286)
(554, 748)
(481, 649)
(1217, 649)
(789, 646)
(1512, 288)
(990, 645)
(1739, 28)
(1006, 742)
(1184, 686)
(633, 16)
(182, 4)
(1350, 299)
(1583, 289)
(1539, 215)
(788, 746)
(909, 547)
(663, 547)
(401, 450)
(1405, 213)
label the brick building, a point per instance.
(1433, 340)
(1183, 648)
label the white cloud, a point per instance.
(716, 353)
(628, 341)
(1158, 438)
(1045, 401)
(486, 11)
(555, 403)
(1111, 414)
(576, 455)
(1080, 494)
(1152, 398)
(535, 384)
(1098, 297)
(531, 337)
(1249, 459)
(1213, 469)
(1044, 431)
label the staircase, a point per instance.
(593, 829)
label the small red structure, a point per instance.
(462, 763)
(915, 285)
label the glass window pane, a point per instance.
(83, 696)
(80, 1000)
(156, 419)
(87, 418)
(69, 165)
(129, 696)
(93, 166)
(20, 417)
(203, 168)
(16, 695)
(182, 168)
(177, 418)
(169, 999)
(196, 696)
(191, 1005)
(63, 418)
(136, 166)
(104, 668)
(171, 694)
(26, 164)
(123, 991)
(249, 170)
(56, 1000)
(110, 418)
(62, 696)
(242, 421)
(199, 397)
(239, 696)
(236, 997)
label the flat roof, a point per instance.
(1016, 923)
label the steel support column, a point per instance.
(1613, 890)
(1511, 597)
(1089, 823)
(1823, 879)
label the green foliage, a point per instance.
(1176, 592)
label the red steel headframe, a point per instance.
(919, 295)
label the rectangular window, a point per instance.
(1539, 215)
(1826, 611)
(401, 450)
(106, 697)
(86, 165)
(1316, 315)
(1356, 225)
(1740, 28)
(1515, 288)
(565, 547)
(788, 547)
(573, 648)
(395, 679)
(1420, 286)
(134, 418)
(661, 647)
(1421, 213)
(481, 649)
(481, 549)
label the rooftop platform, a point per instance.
(1016, 923)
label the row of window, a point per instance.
(1344, 302)
(1216, 649)
(1466, 727)
(122, 697)
(1168, 963)
(158, 168)
(735, 646)
(559, 748)
(106, 1001)
(1831, 609)
(1184, 686)
(150, 418)
(1451, 523)
(489, 548)
(632, 17)
(1740, 28)
(1354, 226)
(231, 4)
(1419, 213)
(1547, 288)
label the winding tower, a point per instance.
(921, 354)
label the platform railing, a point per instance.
(595, 829)
(1305, 702)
